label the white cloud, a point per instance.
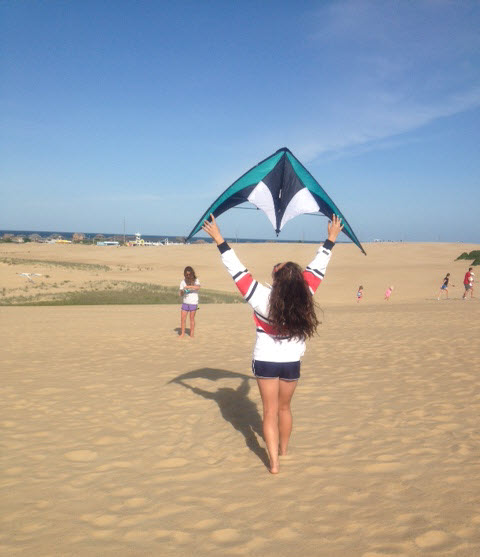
(393, 68)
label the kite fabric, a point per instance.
(282, 188)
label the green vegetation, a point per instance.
(473, 256)
(118, 293)
(65, 264)
(9, 240)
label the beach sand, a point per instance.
(120, 439)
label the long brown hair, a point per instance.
(190, 280)
(292, 309)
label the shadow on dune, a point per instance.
(234, 404)
(178, 330)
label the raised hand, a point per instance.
(335, 226)
(211, 228)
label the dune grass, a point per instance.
(119, 293)
(49, 263)
(473, 256)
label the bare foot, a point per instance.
(181, 336)
(274, 468)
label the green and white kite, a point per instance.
(282, 188)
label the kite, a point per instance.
(282, 188)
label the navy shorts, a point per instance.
(287, 371)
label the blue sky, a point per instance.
(148, 110)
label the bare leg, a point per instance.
(269, 390)
(192, 322)
(183, 318)
(285, 422)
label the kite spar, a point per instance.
(282, 188)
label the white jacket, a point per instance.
(270, 347)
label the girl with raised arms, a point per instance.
(285, 317)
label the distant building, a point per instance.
(78, 237)
(54, 237)
(139, 241)
(35, 238)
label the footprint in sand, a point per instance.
(315, 470)
(81, 456)
(110, 440)
(161, 534)
(32, 528)
(136, 502)
(206, 524)
(234, 507)
(432, 539)
(132, 520)
(412, 520)
(14, 471)
(43, 504)
(387, 553)
(466, 532)
(355, 497)
(103, 534)
(104, 520)
(226, 535)
(172, 463)
(137, 536)
(122, 464)
(49, 391)
(286, 534)
(385, 458)
(124, 492)
(180, 537)
(448, 427)
(384, 467)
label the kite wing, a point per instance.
(282, 188)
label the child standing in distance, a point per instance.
(444, 287)
(468, 283)
(189, 288)
(359, 294)
(388, 293)
(284, 315)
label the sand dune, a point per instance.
(118, 438)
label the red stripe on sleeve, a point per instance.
(312, 280)
(244, 284)
(265, 326)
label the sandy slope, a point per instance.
(416, 270)
(118, 438)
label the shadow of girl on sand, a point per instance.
(234, 404)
